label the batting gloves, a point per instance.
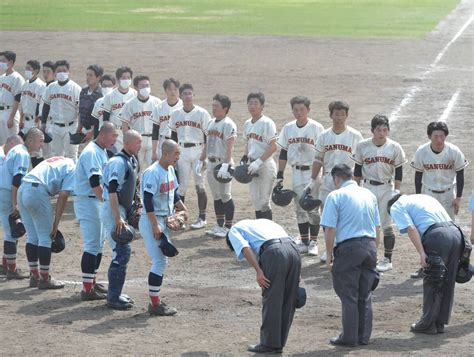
(254, 166)
(224, 171)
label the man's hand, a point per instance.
(456, 204)
(329, 261)
(119, 225)
(262, 281)
(157, 232)
(309, 187)
(423, 259)
(52, 235)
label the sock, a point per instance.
(154, 287)
(88, 264)
(229, 209)
(32, 257)
(219, 210)
(389, 243)
(313, 231)
(267, 214)
(9, 250)
(44, 255)
(258, 214)
(98, 259)
(202, 202)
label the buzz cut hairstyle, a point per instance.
(50, 64)
(437, 125)
(62, 63)
(168, 82)
(121, 70)
(224, 100)
(338, 105)
(300, 99)
(343, 171)
(98, 70)
(107, 77)
(9, 55)
(34, 64)
(258, 95)
(229, 244)
(184, 87)
(138, 79)
(379, 120)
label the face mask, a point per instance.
(125, 83)
(3, 66)
(28, 74)
(62, 76)
(145, 92)
(106, 90)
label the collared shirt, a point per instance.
(91, 162)
(252, 233)
(161, 183)
(17, 161)
(420, 211)
(353, 211)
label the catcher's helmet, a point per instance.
(76, 138)
(221, 179)
(167, 247)
(282, 197)
(127, 234)
(309, 203)
(17, 228)
(58, 244)
(465, 271)
(241, 174)
(300, 297)
(47, 137)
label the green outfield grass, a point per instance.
(338, 18)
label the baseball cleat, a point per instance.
(33, 282)
(323, 258)
(303, 248)
(92, 295)
(101, 288)
(50, 284)
(198, 224)
(120, 305)
(161, 310)
(17, 275)
(213, 230)
(384, 265)
(221, 232)
(313, 248)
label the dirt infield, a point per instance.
(217, 298)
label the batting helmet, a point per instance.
(222, 179)
(167, 247)
(59, 243)
(127, 234)
(76, 138)
(282, 197)
(465, 271)
(17, 228)
(300, 297)
(308, 202)
(241, 174)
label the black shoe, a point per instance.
(119, 305)
(101, 288)
(161, 310)
(126, 298)
(92, 295)
(50, 284)
(440, 327)
(336, 341)
(17, 275)
(264, 349)
(420, 327)
(417, 274)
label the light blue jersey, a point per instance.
(471, 203)
(91, 162)
(54, 174)
(161, 183)
(16, 162)
(115, 169)
(420, 211)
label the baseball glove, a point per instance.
(176, 221)
(134, 216)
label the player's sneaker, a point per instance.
(323, 257)
(161, 310)
(313, 248)
(33, 282)
(221, 232)
(198, 224)
(213, 230)
(101, 288)
(50, 284)
(302, 247)
(17, 275)
(384, 265)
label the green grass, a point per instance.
(333, 18)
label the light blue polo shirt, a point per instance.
(352, 210)
(471, 202)
(91, 162)
(17, 161)
(115, 169)
(420, 211)
(253, 233)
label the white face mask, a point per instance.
(145, 92)
(28, 74)
(125, 83)
(3, 66)
(106, 90)
(62, 76)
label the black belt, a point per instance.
(147, 135)
(302, 167)
(35, 184)
(435, 191)
(270, 242)
(62, 125)
(215, 159)
(355, 239)
(4, 107)
(189, 145)
(376, 183)
(92, 196)
(437, 225)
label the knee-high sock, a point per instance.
(314, 231)
(154, 287)
(88, 264)
(9, 250)
(32, 256)
(389, 244)
(202, 202)
(229, 209)
(304, 232)
(267, 214)
(44, 255)
(219, 210)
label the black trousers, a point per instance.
(353, 274)
(438, 300)
(281, 264)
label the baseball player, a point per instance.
(87, 207)
(52, 177)
(136, 113)
(14, 166)
(161, 116)
(379, 164)
(49, 77)
(31, 94)
(114, 101)
(221, 135)
(61, 104)
(297, 140)
(160, 198)
(11, 84)
(120, 183)
(189, 129)
(107, 83)
(260, 138)
(334, 146)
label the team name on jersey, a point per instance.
(301, 140)
(341, 147)
(382, 159)
(7, 87)
(215, 133)
(144, 113)
(29, 93)
(167, 186)
(255, 136)
(188, 123)
(164, 118)
(438, 166)
(61, 96)
(117, 106)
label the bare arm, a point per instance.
(60, 206)
(329, 236)
(377, 236)
(229, 149)
(203, 153)
(416, 240)
(272, 147)
(114, 204)
(125, 127)
(262, 281)
(98, 192)
(14, 202)
(316, 168)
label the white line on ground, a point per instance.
(450, 106)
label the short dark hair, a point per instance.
(107, 77)
(122, 70)
(437, 125)
(392, 201)
(34, 64)
(229, 244)
(61, 63)
(300, 99)
(9, 55)
(168, 82)
(378, 120)
(224, 100)
(343, 171)
(50, 64)
(184, 87)
(338, 105)
(259, 95)
(138, 79)
(98, 70)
